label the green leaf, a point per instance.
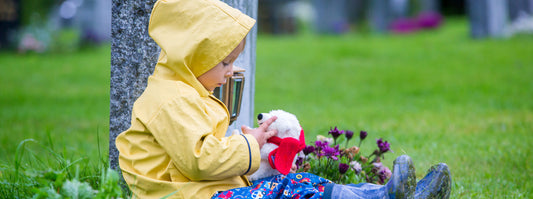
(76, 189)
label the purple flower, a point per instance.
(309, 149)
(383, 146)
(299, 162)
(384, 173)
(429, 20)
(321, 144)
(404, 25)
(335, 133)
(348, 134)
(343, 168)
(331, 152)
(362, 135)
(382, 177)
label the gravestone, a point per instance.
(95, 20)
(429, 6)
(380, 15)
(383, 13)
(275, 18)
(357, 11)
(487, 18)
(331, 16)
(520, 7)
(399, 8)
(9, 20)
(134, 55)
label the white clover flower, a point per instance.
(356, 166)
(323, 138)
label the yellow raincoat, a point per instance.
(176, 146)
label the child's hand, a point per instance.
(261, 133)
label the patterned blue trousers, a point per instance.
(293, 185)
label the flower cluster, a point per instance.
(345, 165)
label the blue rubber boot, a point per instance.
(403, 180)
(436, 184)
(401, 184)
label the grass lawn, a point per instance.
(61, 101)
(437, 96)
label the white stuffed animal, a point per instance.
(280, 152)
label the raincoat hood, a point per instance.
(194, 36)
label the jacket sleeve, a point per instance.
(186, 131)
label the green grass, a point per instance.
(437, 96)
(61, 102)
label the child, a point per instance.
(175, 146)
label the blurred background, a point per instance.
(53, 25)
(64, 25)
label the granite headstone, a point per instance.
(331, 16)
(9, 20)
(487, 18)
(520, 7)
(380, 15)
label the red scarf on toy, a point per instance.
(282, 157)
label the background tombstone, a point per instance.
(520, 7)
(399, 8)
(95, 22)
(380, 15)
(487, 18)
(275, 17)
(331, 16)
(357, 12)
(9, 19)
(429, 6)
(134, 55)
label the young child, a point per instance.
(175, 146)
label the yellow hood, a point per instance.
(194, 36)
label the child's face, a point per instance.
(218, 75)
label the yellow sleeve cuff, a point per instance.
(254, 154)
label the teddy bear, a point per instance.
(280, 152)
